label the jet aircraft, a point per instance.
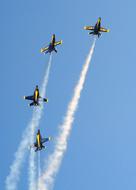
(51, 46)
(40, 141)
(35, 98)
(97, 29)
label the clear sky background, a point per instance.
(101, 149)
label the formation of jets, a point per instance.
(36, 98)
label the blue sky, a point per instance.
(101, 151)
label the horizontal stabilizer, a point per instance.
(32, 104)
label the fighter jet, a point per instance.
(35, 98)
(40, 141)
(51, 46)
(97, 29)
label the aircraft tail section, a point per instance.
(91, 33)
(36, 149)
(55, 50)
(31, 104)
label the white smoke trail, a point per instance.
(39, 168)
(32, 168)
(54, 161)
(15, 169)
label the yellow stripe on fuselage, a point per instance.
(36, 95)
(38, 140)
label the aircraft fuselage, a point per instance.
(51, 47)
(97, 28)
(36, 97)
(39, 141)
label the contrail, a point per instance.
(55, 159)
(15, 168)
(39, 168)
(32, 168)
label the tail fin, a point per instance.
(31, 104)
(91, 33)
(99, 34)
(55, 50)
(36, 149)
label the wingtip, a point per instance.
(50, 138)
(108, 30)
(41, 50)
(46, 100)
(24, 97)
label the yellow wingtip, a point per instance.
(41, 50)
(108, 30)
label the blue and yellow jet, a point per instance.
(40, 141)
(97, 29)
(35, 98)
(51, 46)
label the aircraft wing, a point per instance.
(58, 43)
(43, 99)
(44, 49)
(29, 97)
(104, 30)
(46, 139)
(89, 28)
